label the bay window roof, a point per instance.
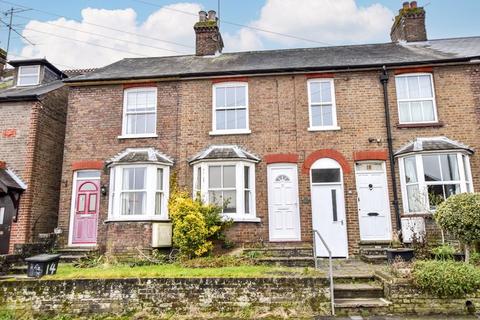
(224, 152)
(140, 155)
(433, 144)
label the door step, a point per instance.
(374, 251)
(353, 303)
(288, 256)
(370, 290)
(70, 255)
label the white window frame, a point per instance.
(19, 76)
(240, 215)
(433, 99)
(216, 131)
(124, 114)
(334, 125)
(465, 176)
(115, 202)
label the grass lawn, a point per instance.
(67, 271)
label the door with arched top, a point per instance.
(85, 212)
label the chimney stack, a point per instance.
(208, 40)
(409, 24)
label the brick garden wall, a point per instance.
(278, 113)
(194, 297)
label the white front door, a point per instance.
(283, 213)
(328, 208)
(373, 201)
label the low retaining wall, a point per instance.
(406, 299)
(291, 296)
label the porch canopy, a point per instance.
(224, 152)
(433, 144)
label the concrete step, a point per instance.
(361, 303)
(375, 259)
(288, 261)
(358, 290)
(18, 269)
(289, 251)
(71, 258)
(373, 251)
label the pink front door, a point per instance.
(85, 217)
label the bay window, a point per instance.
(230, 108)
(138, 192)
(416, 98)
(229, 184)
(139, 113)
(430, 178)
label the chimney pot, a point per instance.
(211, 15)
(202, 16)
(413, 4)
(3, 165)
(406, 5)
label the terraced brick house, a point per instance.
(33, 108)
(354, 141)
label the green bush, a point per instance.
(460, 215)
(446, 278)
(195, 224)
(444, 252)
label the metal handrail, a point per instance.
(330, 268)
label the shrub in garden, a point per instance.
(195, 224)
(460, 215)
(444, 252)
(446, 278)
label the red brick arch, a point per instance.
(326, 153)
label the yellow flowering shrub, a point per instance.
(195, 224)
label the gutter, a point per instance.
(384, 80)
(19, 98)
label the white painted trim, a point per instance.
(269, 194)
(124, 134)
(334, 125)
(433, 99)
(138, 136)
(19, 76)
(229, 132)
(240, 215)
(214, 113)
(72, 210)
(327, 128)
(150, 190)
(327, 163)
(385, 185)
(422, 184)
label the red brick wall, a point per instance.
(36, 152)
(278, 120)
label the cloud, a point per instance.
(53, 37)
(325, 21)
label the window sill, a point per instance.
(242, 219)
(140, 136)
(420, 125)
(138, 219)
(331, 128)
(229, 132)
(416, 215)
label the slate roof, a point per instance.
(9, 180)
(132, 155)
(29, 92)
(217, 152)
(290, 60)
(432, 144)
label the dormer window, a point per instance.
(28, 75)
